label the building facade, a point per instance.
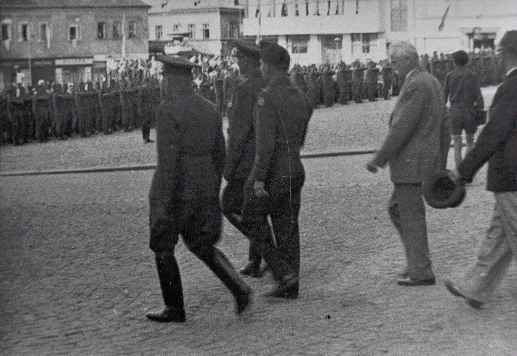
(68, 41)
(327, 31)
(209, 24)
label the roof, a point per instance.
(172, 6)
(28, 4)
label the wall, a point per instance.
(87, 45)
(368, 19)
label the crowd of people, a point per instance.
(262, 176)
(51, 110)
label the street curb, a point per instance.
(145, 167)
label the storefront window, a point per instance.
(43, 28)
(158, 32)
(206, 31)
(73, 33)
(299, 44)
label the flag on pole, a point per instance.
(123, 52)
(258, 14)
(444, 16)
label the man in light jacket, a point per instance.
(415, 148)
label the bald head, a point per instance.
(404, 57)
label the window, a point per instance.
(283, 13)
(101, 31)
(191, 29)
(234, 30)
(116, 30)
(299, 44)
(131, 29)
(272, 6)
(6, 31)
(206, 31)
(369, 42)
(363, 42)
(296, 8)
(158, 32)
(24, 32)
(73, 33)
(176, 27)
(317, 9)
(398, 15)
(43, 32)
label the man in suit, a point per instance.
(282, 114)
(463, 89)
(241, 145)
(413, 149)
(497, 144)
(184, 195)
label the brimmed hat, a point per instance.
(176, 63)
(441, 192)
(274, 54)
(509, 42)
(241, 48)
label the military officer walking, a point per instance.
(184, 195)
(281, 118)
(241, 146)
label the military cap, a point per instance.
(176, 63)
(509, 42)
(243, 48)
(274, 54)
(441, 192)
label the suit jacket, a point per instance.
(281, 118)
(497, 143)
(191, 151)
(241, 142)
(418, 137)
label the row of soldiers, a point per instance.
(62, 111)
(487, 66)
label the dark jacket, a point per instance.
(191, 151)
(281, 118)
(241, 142)
(497, 143)
(463, 89)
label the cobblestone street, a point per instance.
(77, 277)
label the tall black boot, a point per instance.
(223, 269)
(172, 290)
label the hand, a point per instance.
(259, 190)
(371, 167)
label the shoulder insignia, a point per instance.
(260, 101)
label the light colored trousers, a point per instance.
(498, 249)
(407, 213)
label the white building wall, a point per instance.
(424, 17)
(213, 19)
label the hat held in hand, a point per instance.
(441, 191)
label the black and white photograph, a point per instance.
(258, 177)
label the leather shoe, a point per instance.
(287, 288)
(243, 302)
(410, 282)
(476, 304)
(168, 315)
(252, 269)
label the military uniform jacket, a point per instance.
(417, 131)
(241, 144)
(191, 153)
(281, 118)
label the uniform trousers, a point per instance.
(497, 250)
(232, 203)
(407, 213)
(284, 209)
